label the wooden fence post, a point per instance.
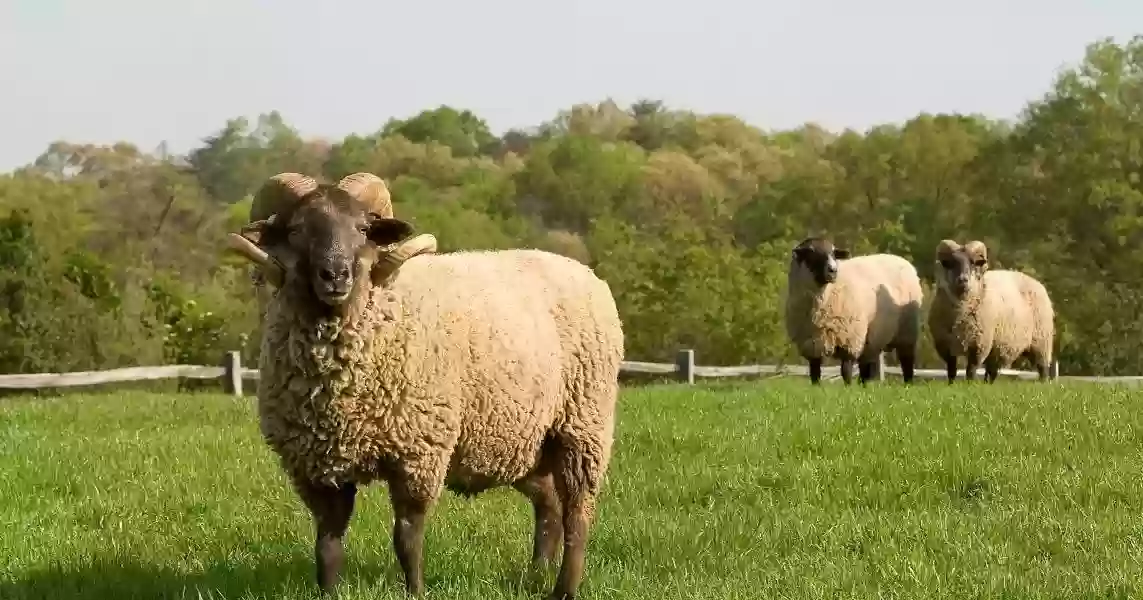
(685, 362)
(232, 378)
(1054, 370)
(879, 375)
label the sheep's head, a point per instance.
(959, 269)
(818, 257)
(331, 240)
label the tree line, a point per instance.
(112, 256)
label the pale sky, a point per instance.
(98, 71)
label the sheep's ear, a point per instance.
(840, 253)
(384, 231)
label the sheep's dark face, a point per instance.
(323, 241)
(960, 269)
(819, 257)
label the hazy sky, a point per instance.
(147, 71)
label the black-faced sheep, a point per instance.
(381, 360)
(989, 317)
(852, 308)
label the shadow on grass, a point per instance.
(112, 578)
(127, 578)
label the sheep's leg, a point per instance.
(846, 368)
(972, 363)
(1043, 365)
(815, 371)
(332, 508)
(540, 488)
(410, 512)
(991, 369)
(948, 357)
(907, 357)
(864, 371)
(846, 360)
(577, 480)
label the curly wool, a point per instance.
(455, 372)
(874, 304)
(1009, 314)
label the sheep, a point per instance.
(382, 360)
(852, 308)
(988, 316)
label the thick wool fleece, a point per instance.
(456, 373)
(874, 304)
(1007, 314)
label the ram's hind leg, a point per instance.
(540, 487)
(332, 508)
(581, 452)
(577, 483)
(1043, 362)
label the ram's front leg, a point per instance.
(411, 501)
(846, 368)
(949, 359)
(972, 363)
(815, 370)
(332, 508)
(846, 360)
(866, 370)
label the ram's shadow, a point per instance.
(116, 578)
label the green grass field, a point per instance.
(755, 490)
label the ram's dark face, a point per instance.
(820, 258)
(960, 268)
(328, 241)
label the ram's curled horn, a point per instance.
(977, 249)
(946, 248)
(390, 261)
(369, 189)
(279, 192)
(273, 271)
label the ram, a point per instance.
(988, 316)
(382, 360)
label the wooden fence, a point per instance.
(684, 370)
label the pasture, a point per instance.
(745, 490)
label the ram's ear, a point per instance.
(384, 231)
(840, 253)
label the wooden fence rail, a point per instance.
(684, 370)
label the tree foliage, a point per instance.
(112, 256)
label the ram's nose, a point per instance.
(333, 274)
(332, 281)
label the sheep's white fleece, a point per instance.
(1008, 314)
(874, 304)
